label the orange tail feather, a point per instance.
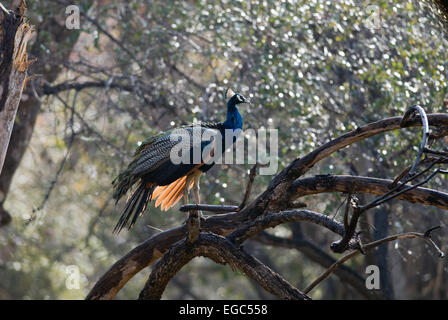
(164, 191)
(177, 185)
(176, 195)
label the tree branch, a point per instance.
(317, 255)
(272, 220)
(359, 184)
(276, 194)
(222, 251)
(408, 235)
(425, 127)
(48, 89)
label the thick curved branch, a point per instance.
(155, 247)
(165, 269)
(359, 184)
(220, 250)
(272, 220)
(134, 261)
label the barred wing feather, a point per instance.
(156, 150)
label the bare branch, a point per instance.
(222, 251)
(425, 127)
(49, 89)
(209, 208)
(367, 185)
(14, 36)
(436, 152)
(156, 246)
(317, 255)
(276, 193)
(409, 235)
(251, 229)
(252, 175)
(341, 245)
(390, 195)
(71, 140)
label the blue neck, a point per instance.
(234, 119)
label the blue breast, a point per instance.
(234, 119)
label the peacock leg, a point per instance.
(187, 184)
(196, 190)
(185, 197)
(194, 218)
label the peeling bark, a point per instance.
(14, 36)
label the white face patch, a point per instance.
(230, 94)
(239, 98)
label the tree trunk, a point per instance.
(14, 36)
(51, 34)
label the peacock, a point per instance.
(154, 176)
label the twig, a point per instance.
(209, 208)
(399, 177)
(4, 9)
(436, 152)
(318, 255)
(342, 244)
(252, 175)
(338, 208)
(385, 198)
(62, 164)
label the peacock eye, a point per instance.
(240, 98)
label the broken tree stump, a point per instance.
(15, 33)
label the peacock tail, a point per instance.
(151, 163)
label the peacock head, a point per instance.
(235, 98)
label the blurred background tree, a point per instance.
(313, 69)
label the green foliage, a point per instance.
(312, 69)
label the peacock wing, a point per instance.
(156, 150)
(159, 150)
